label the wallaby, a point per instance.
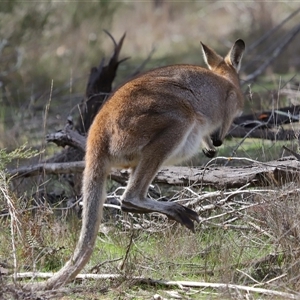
(159, 118)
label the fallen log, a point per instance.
(253, 173)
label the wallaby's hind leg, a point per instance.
(135, 198)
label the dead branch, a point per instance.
(99, 87)
(68, 137)
(275, 172)
(292, 152)
(269, 33)
(282, 45)
(48, 168)
(169, 283)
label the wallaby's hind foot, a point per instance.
(172, 210)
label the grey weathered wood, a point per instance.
(275, 172)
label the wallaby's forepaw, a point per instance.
(172, 210)
(217, 142)
(209, 152)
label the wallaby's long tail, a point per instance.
(94, 194)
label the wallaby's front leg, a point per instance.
(208, 148)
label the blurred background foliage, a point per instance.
(48, 47)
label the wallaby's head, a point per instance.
(228, 66)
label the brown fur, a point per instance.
(158, 118)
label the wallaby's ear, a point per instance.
(211, 58)
(234, 57)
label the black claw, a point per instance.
(184, 216)
(209, 152)
(188, 217)
(192, 214)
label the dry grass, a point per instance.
(251, 240)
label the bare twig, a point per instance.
(127, 251)
(96, 268)
(292, 152)
(247, 275)
(180, 284)
(268, 34)
(274, 55)
(233, 152)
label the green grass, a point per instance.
(45, 238)
(213, 254)
(210, 254)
